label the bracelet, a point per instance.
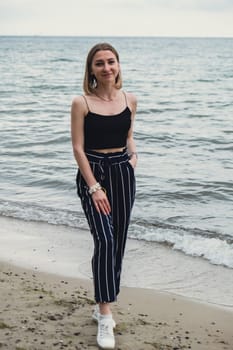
(133, 154)
(94, 188)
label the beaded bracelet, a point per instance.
(94, 188)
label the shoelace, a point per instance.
(105, 330)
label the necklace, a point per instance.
(104, 99)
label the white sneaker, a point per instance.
(96, 315)
(105, 336)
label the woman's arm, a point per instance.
(78, 112)
(131, 146)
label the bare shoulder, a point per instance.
(131, 97)
(78, 102)
(132, 101)
(78, 106)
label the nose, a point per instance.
(106, 66)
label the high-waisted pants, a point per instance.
(116, 175)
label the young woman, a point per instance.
(104, 148)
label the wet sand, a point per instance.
(67, 251)
(46, 294)
(41, 311)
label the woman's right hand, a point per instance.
(101, 202)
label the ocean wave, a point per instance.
(20, 143)
(62, 59)
(211, 245)
(198, 115)
(30, 154)
(34, 212)
(227, 148)
(199, 191)
(208, 80)
(163, 110)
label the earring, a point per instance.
(93, 81)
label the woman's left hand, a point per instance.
(133, 162)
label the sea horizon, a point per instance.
(118, 36)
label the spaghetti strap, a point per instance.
(126, 102)
(86, 103)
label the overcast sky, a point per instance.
(117, 17)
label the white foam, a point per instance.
(67, 251)
(214, 249)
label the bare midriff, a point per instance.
(109, 150)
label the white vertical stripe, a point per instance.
(114, 242)
(91, 220)
(124, 208)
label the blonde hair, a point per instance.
(89, 82)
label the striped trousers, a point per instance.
(114, 172)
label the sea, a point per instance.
(183, 132)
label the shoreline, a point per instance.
(67, 252)
(47, 294)
(42, 311)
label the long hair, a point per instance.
(89, 82)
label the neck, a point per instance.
(107, 96)
(106, 99)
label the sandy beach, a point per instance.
(42, 310)
(45, 311)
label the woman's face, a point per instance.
(105, 66)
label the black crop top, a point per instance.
(106, 131)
